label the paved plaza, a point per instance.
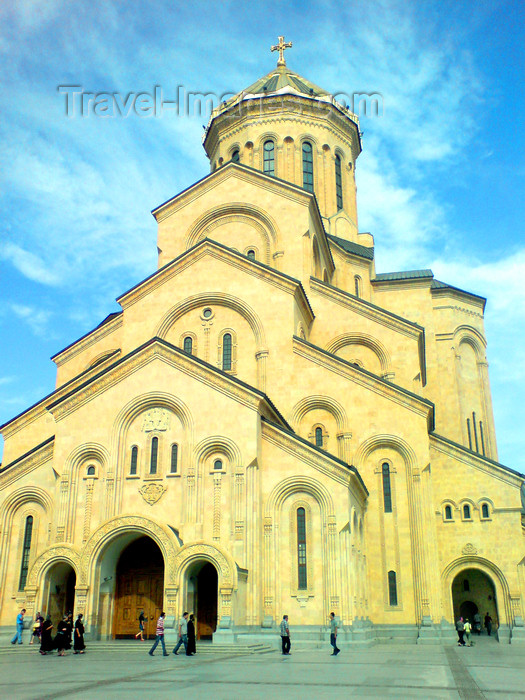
(111, 671)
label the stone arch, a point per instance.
(102, 356)
(326, 403)
(494, 573)
(368, 341)
(218, 443)
(471, 336)
(53, 555)
(220, 299)
(221, 560)
(111, 529)
(386, 441)
(18, 498)
(234, 211)
(86, 451)
(302, 483)
(153, 399)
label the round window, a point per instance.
(207, 313)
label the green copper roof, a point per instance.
(354, 248)
(405, 275)
(282, 77)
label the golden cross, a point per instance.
(280, 47)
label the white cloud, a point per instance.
(36, 319)
(29, 264)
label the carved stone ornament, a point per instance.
(157, 419)
(469, 549)
(152, 493)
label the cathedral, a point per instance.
(269, 426)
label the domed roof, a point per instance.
(282, 80)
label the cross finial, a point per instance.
(280, 47)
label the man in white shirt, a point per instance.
(183, 633)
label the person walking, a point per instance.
(333, 634)
(79, 646)
(46, 641)
(191, 648)
(285, 636)
(70, 625)
(19, 627)
(477, 623)
(37, 628)
(488, 623)
(460, 627)
(183, 634)
(142, 620)
(468, 630)
(62, 637)
(160, 636)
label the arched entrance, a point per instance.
(201, 598)
(59, 592)
(139, 586)
(474, 592)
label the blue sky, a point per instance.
(441, 177)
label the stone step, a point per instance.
(142, 647)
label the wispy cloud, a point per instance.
(37, 319)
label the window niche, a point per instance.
(227, 351)
(448, 513)
(485, 511)
(466, 512)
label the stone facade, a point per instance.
(266, 403)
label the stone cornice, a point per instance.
(210, 248)
(87, 340)
(160, 349)
(26, 463)
(473, 459)
(321, 460)
(360, 376)
(367, 309)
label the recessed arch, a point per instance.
(215, 299)
(368, 341)
(326, 403)
(300, 484)
(218, 443)
(231, 212)
(202, 551)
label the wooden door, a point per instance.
(140, 586)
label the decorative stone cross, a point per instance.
(280, 47)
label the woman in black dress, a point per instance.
(78, 645)
(191, 648)
(62, 637)
(46, 641)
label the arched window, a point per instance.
(217, 464)
(235, 156)
(174, 458)
(485, 511)
(188, 344)
(448, 513)
(91, 471)
(269, 158)
(301, 549)
(227, 352)
(24, 568)
(387, 492)
(134, 460)
(251, 254)
(466, 585)
(466, 512)
(357, 286)
(338, 183)
(308, 167)
(392, 588)
(319, 437)
(154, 455)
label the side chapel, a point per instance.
(268, 425)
